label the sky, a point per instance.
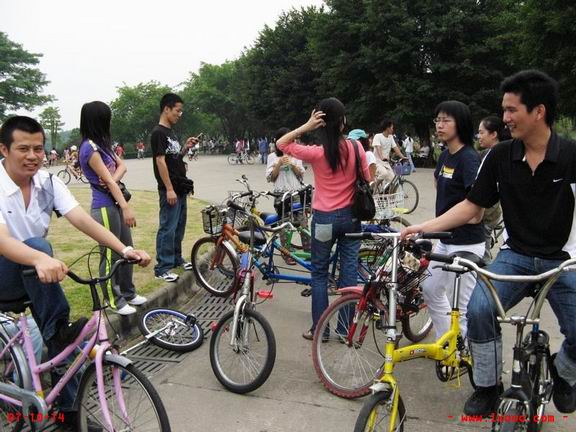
(92, 47)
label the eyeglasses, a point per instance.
(442, 120)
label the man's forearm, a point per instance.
(17, 252)
(458, 215)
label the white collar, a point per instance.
(8, 184)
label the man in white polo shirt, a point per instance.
(382, 144)
(28, 197)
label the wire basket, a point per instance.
(236, 218)
(388, 205)
(411, 273)
(213, 218)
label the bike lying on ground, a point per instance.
(113, 394)
(384, 410)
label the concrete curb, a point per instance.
(169, 295)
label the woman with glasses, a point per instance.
(333, 161)
(455, 173)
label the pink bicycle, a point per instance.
(113, 394)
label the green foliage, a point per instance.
(280, 80)
(21, 82)
(136, 110)
(74, 138)
(51, 121)
(216, 90)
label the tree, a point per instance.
(215, 90)
(51, 121)
(280, 82)
(136, 110)
(403, 57)
(74, 138)
(21, 82)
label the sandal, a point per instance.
(307, 292)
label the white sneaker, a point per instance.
(168, 277)
(187, 266)
(125, 310)
(138, 300)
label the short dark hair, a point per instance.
(22, 123)
(386, 123)
(461, 114)
(495, 124)
(534, 88)
(279, 134)
(170, 100)
(95, 118)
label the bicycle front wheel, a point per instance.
(347, 369)
(133, 402)
(249, 159)
(176, 332)
(375, 414)
(512, 416)
(411, 195)
(242, 362)
(416, 320)
(64, 175)
(10, 373)
(214, 267)
(83, 179)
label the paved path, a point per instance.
(293, 399)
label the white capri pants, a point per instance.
(438, 289)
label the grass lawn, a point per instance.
(70, 244)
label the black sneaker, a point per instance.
(68, 331)
(563, 394)
(484, 401)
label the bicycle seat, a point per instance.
(470, 257)
(16, 305)
(259, 239)
(269, 218)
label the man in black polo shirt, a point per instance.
(534, 177)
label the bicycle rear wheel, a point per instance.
(375, 414)
(416, 320)
(347, 370)
(214, 267)
(10, 373)
(178, 331)
(411, 194)
(124, 386)
(232, 159)
(64, 175)
(246, 364)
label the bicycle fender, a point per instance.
(351, 290)
(117, 358)
(230, 248)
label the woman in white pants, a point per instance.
(455, 173)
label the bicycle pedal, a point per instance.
(265, 294)
(306, 292)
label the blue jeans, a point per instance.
(49, 307)
(327, 229)
(409, 156)
(484, 332)
(172, 225)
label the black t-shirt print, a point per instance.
(455, 174)
(165, 142)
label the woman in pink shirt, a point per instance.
(333, 162)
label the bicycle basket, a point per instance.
(410, 273)
(388, 205)
(236, 218)
(402, 169)
(212, 219)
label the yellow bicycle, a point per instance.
(384, 410)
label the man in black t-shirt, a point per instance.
(534, 177)
(170, 171)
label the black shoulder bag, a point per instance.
(363, 206)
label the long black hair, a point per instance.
(331, 134)
(461, 114)
(495, 124)
(95, 120)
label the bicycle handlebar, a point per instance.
(82, 281)
(376, 236)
